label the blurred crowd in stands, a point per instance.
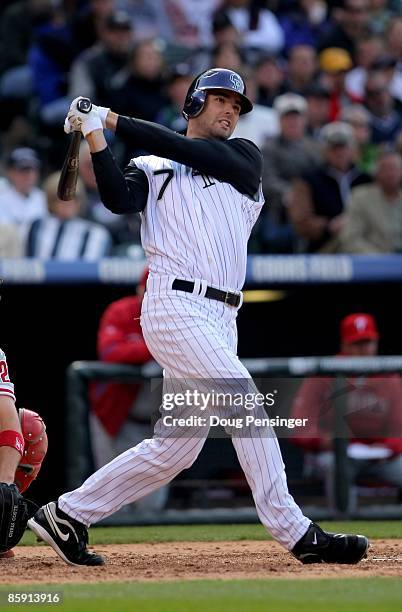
(325, 79)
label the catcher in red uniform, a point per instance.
(23, 446)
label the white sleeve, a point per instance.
(6, 386)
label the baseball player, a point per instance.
(23, 446)
(373, 416)
(199, 196)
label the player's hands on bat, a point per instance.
(84, 122)
(76, 118)
(102, 110)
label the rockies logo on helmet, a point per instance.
(237, 82)
(216, 78)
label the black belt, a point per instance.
(233, 299)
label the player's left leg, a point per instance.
(129, 477)
(260, 457)
(261, 460)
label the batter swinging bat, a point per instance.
(69, 172)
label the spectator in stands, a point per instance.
(87, 23)
(225, 45)
(358, 117)
(318, 109)
(62, 234)
(146, 16)
(137, 90)
(124, 229)
(368, 50)
(317, 200)
(287, 156)
(223, 30)
(10, 241)
(380, 15)
(301, 69)
(374, 215)
(270, 78)
(227, 55)
(305, 23)
(350, 24)
(92, 71)
(186, 23)
(393, 35)
(385, 120)
(49, 58)
(262, 123)
(178, 81)
(257, 26)
(21, 200)
(121, 413)
(373, 415)
(17, 29)
(335, 64)
(391, 69)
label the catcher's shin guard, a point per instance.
(318, 546)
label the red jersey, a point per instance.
(120, 340)
(6, 386)
(373, 411)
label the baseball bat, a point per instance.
(69, 172)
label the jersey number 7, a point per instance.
(166, 182)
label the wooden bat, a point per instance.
(69, 172)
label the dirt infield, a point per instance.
(191, 560)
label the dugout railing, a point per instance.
(78, 449)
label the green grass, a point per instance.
(340, 595)
(216, 533)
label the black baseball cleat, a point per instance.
(318, 546)
(66, 536)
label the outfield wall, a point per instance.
(50, 313)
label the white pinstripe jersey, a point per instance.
(6, 386)
(194, 226)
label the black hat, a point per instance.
(178, 71)
(316, 90)
(119, 20)
(383, 63)
(221, 21)
(23, 158)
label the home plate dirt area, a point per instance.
(191, 560)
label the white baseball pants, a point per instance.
(192, 338)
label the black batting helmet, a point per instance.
(216, 78)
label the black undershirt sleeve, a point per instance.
(236, 161)
(120, 192)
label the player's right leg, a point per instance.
(68, 537)
(130, 476)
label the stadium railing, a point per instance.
(80, 373)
